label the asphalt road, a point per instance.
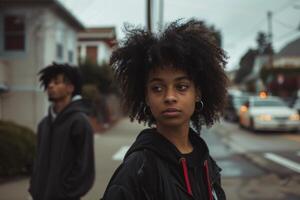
(260, 165)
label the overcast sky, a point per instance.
(238, 20)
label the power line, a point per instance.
(263, 20)
(253, 28)
(285, 24)
(283, 6)
(285, 35)
(293, 29)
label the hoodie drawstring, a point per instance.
(186, 176)
(208, 180)
(187, 181)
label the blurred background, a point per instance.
(257, 141)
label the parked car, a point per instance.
(268, 113)
(296, 105)
(233, 104)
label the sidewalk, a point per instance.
(15, 189)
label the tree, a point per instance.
(264, 47)
(99, 75)
(246, 65)
(98, 81)
(263, 44)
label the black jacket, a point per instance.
(154, 169)
(64, 164)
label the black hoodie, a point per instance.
(64, 164)
(153, 168)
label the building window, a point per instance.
(14, 33)
(70, 56)
(59, 51)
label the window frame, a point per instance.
(59, 51)
(10, 35)
(70, 56)
(13, 53)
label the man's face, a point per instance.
(58, 89)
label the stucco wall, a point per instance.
(25, 102)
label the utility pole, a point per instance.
(161, 15)
(154, 15)
(270, 37)
(149, 15)
(270, 34)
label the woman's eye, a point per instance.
(156, 88)
(182, 87)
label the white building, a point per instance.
(96, 44)
(33, 34)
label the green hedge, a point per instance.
(17, 149)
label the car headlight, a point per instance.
(294, 117)
(264, 117)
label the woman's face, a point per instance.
(171, 96)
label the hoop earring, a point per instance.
(145, 111)
(201, 105)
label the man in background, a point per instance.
(64, 165)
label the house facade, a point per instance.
(96, 44)
(286, 71)
(33, 34)
(289, 55)
(279, 74)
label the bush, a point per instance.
(17, 149)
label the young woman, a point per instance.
(175, 82)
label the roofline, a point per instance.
(55, 5)
(111, 30)
(101, 27)
(70, 17)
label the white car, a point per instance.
(268, 113)
(297, 105)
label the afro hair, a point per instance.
(71, 74)
(189, 46)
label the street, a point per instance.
(258, 166)
(63, 59)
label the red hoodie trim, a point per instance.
(186, 176)
(187, 181)
(208, 180)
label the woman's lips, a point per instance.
(171, 112)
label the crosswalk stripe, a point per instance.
(283, 161)
(119, 155)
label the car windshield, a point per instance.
(238, 101)
(268, 103)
